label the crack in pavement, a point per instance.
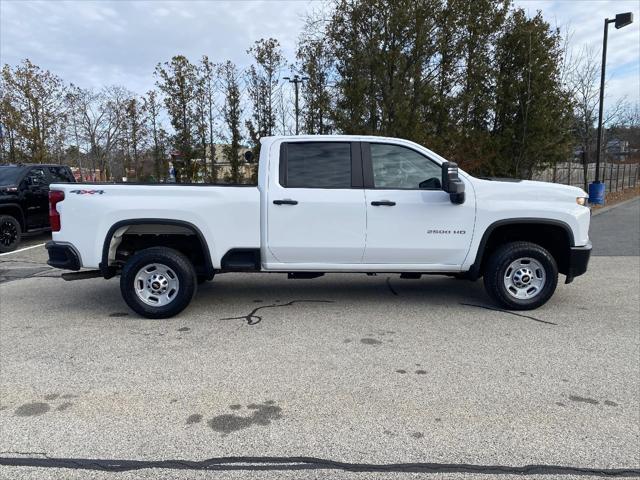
(496, 309)
(308, 463)
(253, 319)
(391, 289)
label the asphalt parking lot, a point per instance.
(344, 376)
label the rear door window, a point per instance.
(317, 165)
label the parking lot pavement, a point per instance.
(616, 231)
(28, 260)
(344, 368)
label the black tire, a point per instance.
(177, 263)
(495, 275)
(10, 233)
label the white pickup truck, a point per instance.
(325, 204)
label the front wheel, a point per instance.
(10, 233)
(521, 276)
(158, 282)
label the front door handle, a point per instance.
(383, 203)
(285, 202)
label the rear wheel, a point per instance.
(158, 282)
(521, 276)
(10, 233)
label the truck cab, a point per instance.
(326, 204)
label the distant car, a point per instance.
(24, 200)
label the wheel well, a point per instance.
(126, 238)
(553, 237)
(15, 212)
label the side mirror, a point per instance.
(451, 183)
(248, 156)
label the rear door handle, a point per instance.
(383, 203)
(285, 202)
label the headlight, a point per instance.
(582, 201)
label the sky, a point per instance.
(96, 43)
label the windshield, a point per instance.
(9, 175)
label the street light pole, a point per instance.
(297, 80)
(596, 189)
(601, 104)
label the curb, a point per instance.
(611, 207)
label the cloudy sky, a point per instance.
(93, 43)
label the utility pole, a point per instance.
(297, 80)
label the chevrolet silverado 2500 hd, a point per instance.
(325, 204)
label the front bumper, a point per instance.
(578, 261)
(63, 255)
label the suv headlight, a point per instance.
(582, 201)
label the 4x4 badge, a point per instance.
(87, 192)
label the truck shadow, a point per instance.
(257, 292)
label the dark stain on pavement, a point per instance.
(51, 396)
(370, 341)
(64, 406)
(609, 403)
(253, 319)
(32, 409)
(421, 372)
(263, 414)
(401, 371)
(184, 329)
(119, 314)
(417, 435)
(560, 404)
(576, 398)
(194, 418)
(235, 407)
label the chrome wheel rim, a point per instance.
(156, 284)
(8, 233)
(525, 278)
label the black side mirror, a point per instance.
(248, 156)
(451, 183)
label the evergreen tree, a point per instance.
(262, 80)
(177, 80)
(152, 107)
(232, 113)
(532, 109)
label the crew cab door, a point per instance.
(35, 188)
(410, 219)
(315, 204)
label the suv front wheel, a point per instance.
(10, 233)
(158, 282)
(521, 276)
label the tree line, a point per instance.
(480, 82)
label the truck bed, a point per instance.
(230, 214)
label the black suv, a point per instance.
(24, 199)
